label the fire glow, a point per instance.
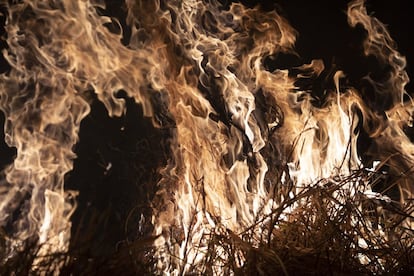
(249, 145)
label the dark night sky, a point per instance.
(323, 33)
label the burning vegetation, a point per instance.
(190, 138)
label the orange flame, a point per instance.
(240, 131)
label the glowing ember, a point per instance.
(249, 145)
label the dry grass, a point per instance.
(321, 235)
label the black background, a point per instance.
(135, 149)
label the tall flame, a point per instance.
(241, 131)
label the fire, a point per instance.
(247, 143)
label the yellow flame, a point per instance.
(206, 63)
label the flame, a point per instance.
(240, 131)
